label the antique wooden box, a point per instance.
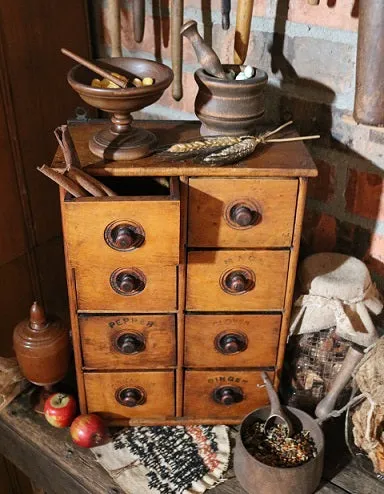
(181, 287)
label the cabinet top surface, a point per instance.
(289, 159)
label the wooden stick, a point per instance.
(89, 183)
(95, 68)
(243, 29)
(291, 139)
(63, 181)
(65, 141)
(113, 21)
(138, 20)
(177, 10)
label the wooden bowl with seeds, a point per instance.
(257, 477)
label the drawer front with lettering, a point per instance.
(120, 288)
(128, 341)
(243, 213)
(116, 395)
(223, 393)
(236, 280)
(231, 340)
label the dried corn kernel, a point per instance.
(120, 76)
(147, 81)
(96, 83)
(137, 82)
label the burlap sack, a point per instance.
(368, 416)
(337, 291)
(12, 382)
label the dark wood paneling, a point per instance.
(13, 241)
(16, 296)
(33, 33)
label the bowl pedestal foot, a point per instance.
(129, 145)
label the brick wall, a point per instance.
(309, 53)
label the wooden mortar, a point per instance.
(229, 107)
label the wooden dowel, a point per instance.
(89, 183)
(113, 21)
(83, 180)
(177, 11)
(95, 68)
(65, 141)
(63, 181)
(243, 29)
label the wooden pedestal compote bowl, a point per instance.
(121, 141)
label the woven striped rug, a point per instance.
(166, 460)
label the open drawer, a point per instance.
(140, 225)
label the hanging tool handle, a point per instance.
(177, 16)
(243, 29)
(225, 12)
(113, 21)
(138, 20)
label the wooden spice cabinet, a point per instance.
(175, 328)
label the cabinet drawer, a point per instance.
(242, 213)
(123, 230)
(151, 288)
(231, 341)
(145, 394)
(223, 393)
(236, 280)
(127, 341)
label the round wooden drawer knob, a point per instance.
(228, 395)
(243, 215)
(131, 397)
(230, 343)
(237, 281)
(130, 343)
(124, 236)
(128, 281)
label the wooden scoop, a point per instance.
(276, 415)
(95, 68)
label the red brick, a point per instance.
(374, 257)
(322, 187)
(187, 103)
(365, 195)
(338, 14)
(319, 232)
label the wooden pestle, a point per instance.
(205, 55)
(95, 68)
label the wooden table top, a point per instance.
(55, 464)
(289, 159)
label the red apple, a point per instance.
(60, 409)
(88, 431)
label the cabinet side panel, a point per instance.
(73, 314)
(291, 276)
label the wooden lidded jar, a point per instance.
(42, 348)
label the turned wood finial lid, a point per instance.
(37, 318)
